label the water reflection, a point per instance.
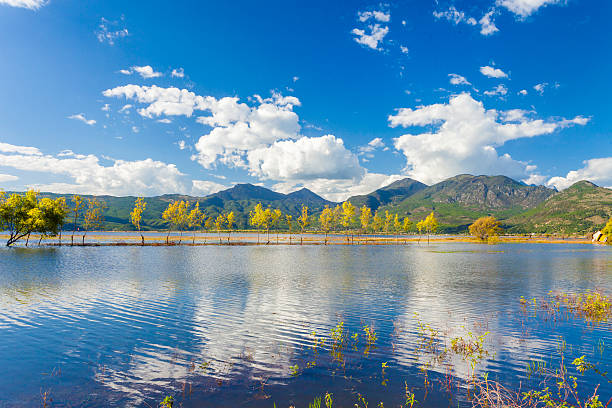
(125, 326)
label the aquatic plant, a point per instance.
(167, 402)
(470, 348)
(294, 370)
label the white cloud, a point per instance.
(81, 117)
(28, 4)
(126, 108)
(165, 120)
(182, 145)
(487, 24)
(598, 171)
(457, 79)
(378, 15)
(498, 90)
(296, 78)
(135, 129)
(9, 148)
(371, 36)
(105, 108)
(376, 143)
(522, 92)
(147, 71)
(205, 187)
(524, 8)
(465, 139)
(404, 49)
(178, 73)
(539, 88)
(340, 190)
(455, 16)
(89, 176)
(110, 31)
(7, 177)
(492, 72)
(535, 179)
(307, 158)
(126, 71)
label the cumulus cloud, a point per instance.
(457, 79)
(81, 117)
(522, 92)
(404, 49)
(90, 176)
(146, 71)
(4, 178)
(307, 158)
(524, 8)
(465, 138)
(28, 4)
(492, 72)
(111, 31)
(598, 171)
(539, 88)
(178, 73)
(205, 187)
(372, 34)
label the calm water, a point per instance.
(225, 326)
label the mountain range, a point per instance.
(457, 202)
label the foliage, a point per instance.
(22, 215)
(607, 231)
(136, 215)
(365, 215)
(327, 220)
(485, 228)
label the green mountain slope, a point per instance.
(581, 208)
(391, 194)
(459, 200)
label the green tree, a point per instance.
(485, 228)
(51, 217)
(93, 218)
(303, 221)
(136, 216)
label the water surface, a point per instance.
(226, 325)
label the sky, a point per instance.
(148, 98)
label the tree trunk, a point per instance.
(180, 237)
(141, 239)
(40, 240)
(60, 237)
(84, 237)
(27, 239)
(168, 238)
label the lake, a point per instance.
(227, 326)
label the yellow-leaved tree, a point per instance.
(326, 220)
(388, 221)
(365, 215)
(303, 222)
(397, 224)
(177, 217)
(407, 226)
(230, 220)
(219, 221)
(430, 224)
(195, 219)
(378, 221)
(93, 218)
(289, 220)
(607, 231)
(348, 218)
(256, 218)
(277, 216)
(136, 216)
(78, 204)
(485, 228)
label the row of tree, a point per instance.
(23, 215)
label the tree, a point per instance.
(176, 215)
(303, 221)
(326, 219)
(365, 215)
(275, 218)
(93, 217)
(195, 220)
(22, 215)
(397, 225)
(229, 219)
(388, 221)
(607, 231)
(78, 205)
(256, 218)
(136, 215)
(348, 216)
(377, 222)
(430, 224)
(288, 220)
(485, 228)
(407, 226)
(420, 227)
(219, 221)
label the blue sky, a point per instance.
(135, 98)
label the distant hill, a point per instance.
(581, 208)
(393, 193)
(459, 200)
(240, 199)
